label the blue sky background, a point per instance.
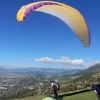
(45, 41)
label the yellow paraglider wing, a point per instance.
(67, 14)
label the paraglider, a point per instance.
(72, 17)
(55, 87)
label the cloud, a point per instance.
(63, 61)
(66, 61)
(92, 63)
(45, 59)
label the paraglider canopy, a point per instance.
(48, 98)
(72, 17)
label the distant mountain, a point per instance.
(1, 68)
(42, 71)
(51, 71)
(92, 69)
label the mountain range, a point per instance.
(51, 71)
(42, 71)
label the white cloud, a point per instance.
(77, 63)
(45, 59)
(92, 63)
(63, 60)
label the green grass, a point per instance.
(81, 96)
(31, 98)
(77, 95)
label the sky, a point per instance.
(43, 40)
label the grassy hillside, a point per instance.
(92, 77)
(92, 69)
(76, 95)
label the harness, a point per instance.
(55, 85)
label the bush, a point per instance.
(72, 87)
(87, 84)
